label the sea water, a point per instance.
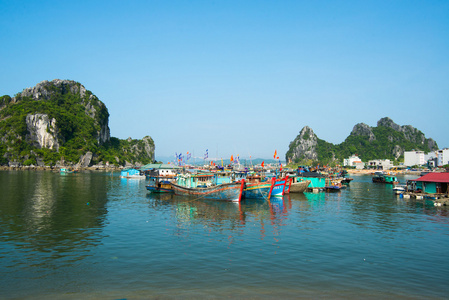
(93, 235)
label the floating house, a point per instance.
(132, 173)
(431, 183)
(160, 169)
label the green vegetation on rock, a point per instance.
(59, 122)
(386, 141)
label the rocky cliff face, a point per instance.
(59, 122)
(411, 134)
(362, 129)
(42, 131)
(45, 89)
(304, 145)
(140, 149)
(93, 107)
(149, 146)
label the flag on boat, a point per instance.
(189, 155)
(232, 158)
(207, 154)
(263, 164)
(275, 153)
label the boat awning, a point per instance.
(434, 177)
(160, 166)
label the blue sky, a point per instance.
(238, 77)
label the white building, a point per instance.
(380, 164)
(419, 158)
(414, 158)
(351, 161)
(442, 157)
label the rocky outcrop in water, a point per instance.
(60, 122)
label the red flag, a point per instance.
(263, 164)
(275, 153)
(232, 158)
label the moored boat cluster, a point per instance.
(234, 184)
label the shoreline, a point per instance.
(370, 172)
(112, 169)
(56, 169)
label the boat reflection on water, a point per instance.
(219, 215)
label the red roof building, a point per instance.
(433, 183)
(434, 177)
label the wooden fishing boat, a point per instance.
(334, 185)
(160, 184)
(257, 190)
(278, 188)
(296, 185)
(159, 181)
(379, 177)
(226, 191)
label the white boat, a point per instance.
(399, 189)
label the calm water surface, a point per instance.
(96, 236)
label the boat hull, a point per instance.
(156, 189)
(298, 187)
(279, 187)
(226, 191)
(257, 190)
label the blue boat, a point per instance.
(257, 190)
(278, 189)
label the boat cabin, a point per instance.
(316, 179)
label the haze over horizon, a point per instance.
(238, 78)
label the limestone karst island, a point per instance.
(60, 123)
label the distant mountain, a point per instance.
(386, 141)
(59, 122)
